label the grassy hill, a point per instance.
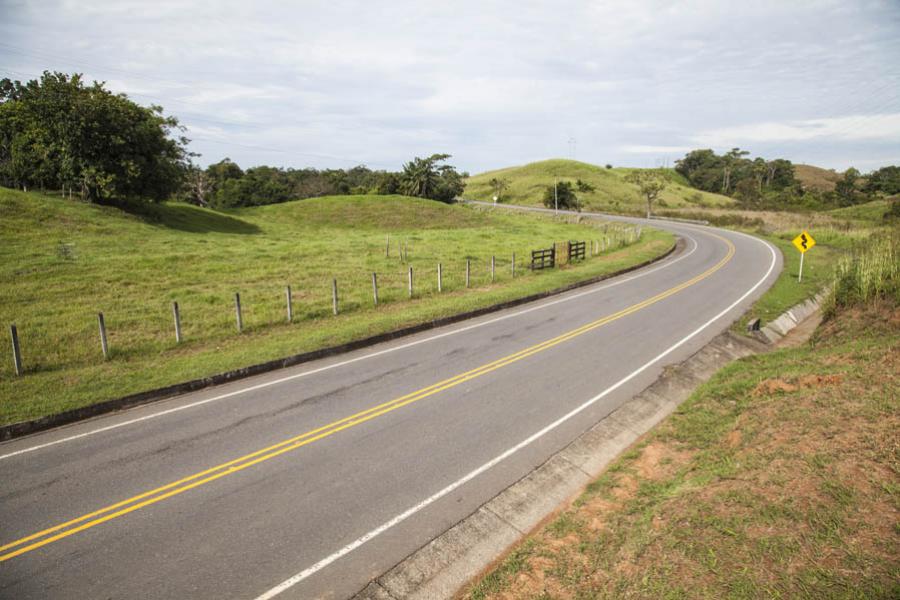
(870, 211)
(612, 192)
(816, 178)
(63, 261)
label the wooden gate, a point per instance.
(576, 251)
(543, 259)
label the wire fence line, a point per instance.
(188, 316)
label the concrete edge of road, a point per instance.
(16, 430)
(441, 568)
(775, 330)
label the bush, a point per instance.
(561, 195)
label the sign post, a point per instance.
(803, 242)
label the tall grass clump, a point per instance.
(870, 272)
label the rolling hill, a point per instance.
(816, 178)
(611, 192)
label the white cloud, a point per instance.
(656, 149)
(493, 83)
(850, 128)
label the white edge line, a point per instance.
(304, 574)
(253, 388)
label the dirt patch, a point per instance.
(773, 386)
(813, 381)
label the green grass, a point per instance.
(873, 211)
(61, 262)
(612, 192)
(777, 478)
(788, 290)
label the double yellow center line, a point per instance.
(113, 511)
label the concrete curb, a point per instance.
(441, 568)
(772, 332)
(15, 430)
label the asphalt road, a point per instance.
(325, 475)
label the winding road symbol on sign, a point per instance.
(804, 242)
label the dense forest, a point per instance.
(763, 183)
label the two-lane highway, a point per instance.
(310, 481)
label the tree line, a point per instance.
(225, 185)
(57, 133)
(764, 183)
(61, 134)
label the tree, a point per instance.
(731, 160)
(499, 185)
(387, 183)
(58, 132)
(885, 180)
(424, 178)
(846, 188)
(650, 183)
(702, 169)
(561, 195)
(198, 186)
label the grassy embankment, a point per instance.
(780, 477)
(61, 262)
(611, 193)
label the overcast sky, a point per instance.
(495, 84)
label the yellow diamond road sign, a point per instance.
(804, 242)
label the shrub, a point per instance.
(870, 272)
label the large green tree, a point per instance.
(58, 132)
(885, 180)
(561, 195)
(426, 178)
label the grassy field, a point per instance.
(612, 192)
(61, 262)
(873, 211)
(778, 478)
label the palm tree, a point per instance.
(420, 176)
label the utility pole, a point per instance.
(556, 194)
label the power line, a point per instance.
(292, 152)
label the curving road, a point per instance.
(311, 481)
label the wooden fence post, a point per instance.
(493, 268)
(375, 288)
(440, 278)
(410, 283)
(468, 271)
(290, 303)
(334, 296)
(387, 247)
(512, 268)
(177, 315)
(17, 351)
(237, 311)
(103, 343)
